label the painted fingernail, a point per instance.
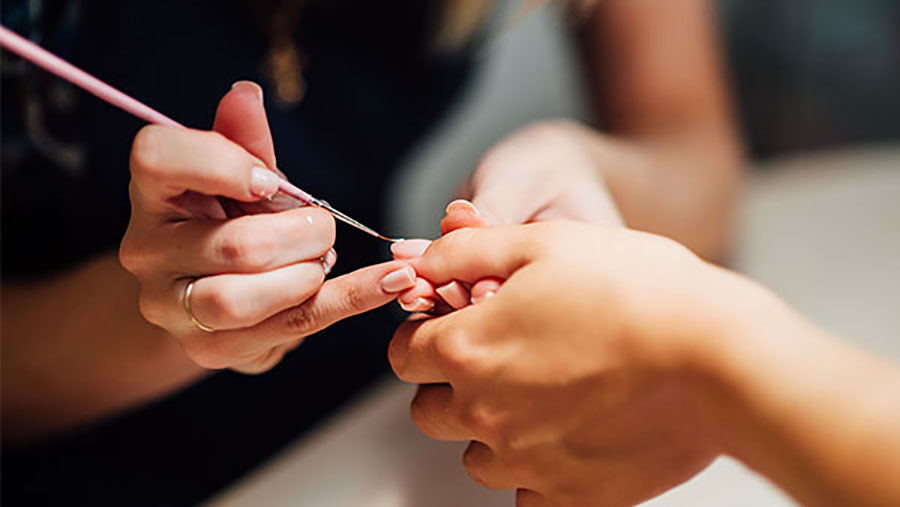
(481, 297)
(420, 305)
(263, 182)
(328, 260)
(399, 280)
(454, 294)
(462, 206)
(410, 248)
(249, 85)
(331, 257)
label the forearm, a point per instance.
(658, 86)
(76, 348)
(817, 416)
(683, 185)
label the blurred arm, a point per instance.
(816, 415)
(658, 86)
(76, 348)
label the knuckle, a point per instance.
(262, 363)
(484, 421)
(422, 415)
(244, 249)
(205, 352)
(353, 299)
(457, 354)
(221, 306)
(302, 320)
(130, 256)
(475, 461)
(151, 309)
(397, 353)
(146, 149)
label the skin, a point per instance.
(177, 233)
(262, 294)
(613, 365)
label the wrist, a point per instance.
(743, 331)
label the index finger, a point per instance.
(468, 255)
(167, 161)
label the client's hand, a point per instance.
(201, 215)
(581, 381)
(546, 171)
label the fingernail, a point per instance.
(399, 280)
(410, 248)
(462, 206)
(420, 305)
(454, 294)
(263, 182)
(249, 85)
(328, 261)
(487, 295)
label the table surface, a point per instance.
(822, 231)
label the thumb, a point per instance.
(241, 117)
(472, 254)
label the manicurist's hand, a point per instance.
(237, 278)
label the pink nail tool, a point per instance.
(63, 69)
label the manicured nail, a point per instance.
(420, 305)
(399, 280)
(454, 294)
(410, 248)
(329, 260)
(263, 182)
(249, 85)
(487, 295)
(462, 206)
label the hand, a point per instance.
(200, 212)
(581, 381)
(546, 171)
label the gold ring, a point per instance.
(188, 290)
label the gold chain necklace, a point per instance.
(283, 63)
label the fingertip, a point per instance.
(251, 87)
(455, 294)
(410, 248)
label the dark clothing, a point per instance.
(375, 85)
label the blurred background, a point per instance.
(807, 75)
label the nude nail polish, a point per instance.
(487, 295)
(250, 85)
(399, 280)
(410, 248)
(420, 305)
(454, 294)
(462, 206)
(263, 182)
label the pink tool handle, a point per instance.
(65, 70)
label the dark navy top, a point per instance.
(375, 86)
